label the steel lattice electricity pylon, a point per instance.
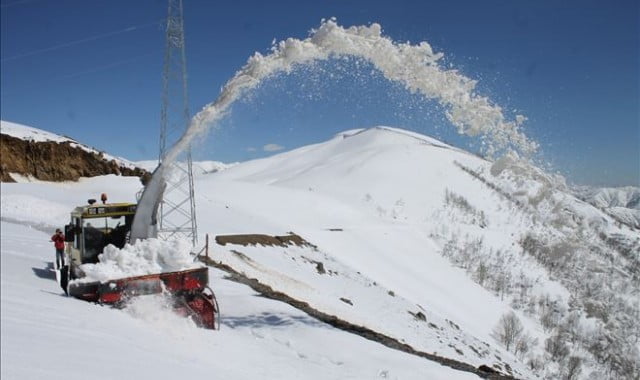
(177, 212)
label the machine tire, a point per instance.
(63, 278)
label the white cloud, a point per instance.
(251, 149)
(272, 147)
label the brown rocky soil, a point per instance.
(266, 240)
(53, 161)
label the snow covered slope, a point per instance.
(621, 202)
(29, 133)
(47, 335)
(465, 239)
(418, 240)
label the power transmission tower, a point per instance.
(177, 212)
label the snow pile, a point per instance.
(156, 310)
(148, 256)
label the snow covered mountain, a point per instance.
(622, 203)
(199, 167)
(628, 197)
(409, 201)
(427, 245)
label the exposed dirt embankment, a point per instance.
(53, 161)
(255, 239)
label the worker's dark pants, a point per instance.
(59, 258)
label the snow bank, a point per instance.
(33, 209)
(144, 257)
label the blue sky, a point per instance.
(91, 69)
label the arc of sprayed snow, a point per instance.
(415, 66)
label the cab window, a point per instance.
(100, 232)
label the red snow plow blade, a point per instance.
(192, 296)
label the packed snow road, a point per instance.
(48, 335)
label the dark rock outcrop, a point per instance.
(53, 161)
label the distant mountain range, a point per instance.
(621, 202)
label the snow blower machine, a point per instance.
(92, 228)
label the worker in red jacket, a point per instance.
(58, 242)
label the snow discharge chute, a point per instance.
(415, 66)
(145, 223)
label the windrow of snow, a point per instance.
(148, 256)
(27, 133)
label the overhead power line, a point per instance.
(104, 67)
(81, 41)
(7, 5)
